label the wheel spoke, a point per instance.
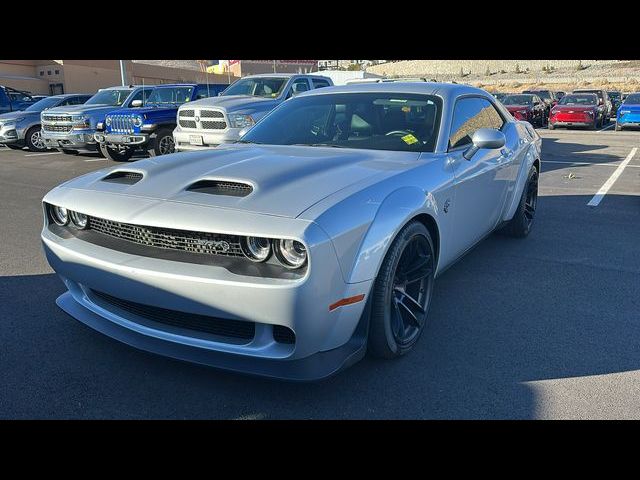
(414, 302)
(398, 327)
(413, 318)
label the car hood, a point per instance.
(20, 114)
(632, 107)
(241, 102)
(77, 109)
(156, 110)
(574, 108)
(286, 180)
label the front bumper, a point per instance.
(629, 120)
(325, 341)
(81, 140)
(201, 139)
(132, 139)
(12, 134)
(571, 123)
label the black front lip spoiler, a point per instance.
(319, 366)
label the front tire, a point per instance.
(402, 293)
(34, 140)
(163, 144)
(115, 154)
(522, 221)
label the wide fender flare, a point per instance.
(395, 211)
(531, 154)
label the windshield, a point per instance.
(177, 95)
(543, 94)
(614, 95)
(40, 105)
(584, 99)
(115, 97)
(518, 100)
(377, 121)
(270, 87)
(632, 99)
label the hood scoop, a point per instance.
(221, 187)
(123, 177)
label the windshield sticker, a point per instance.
(409, 139)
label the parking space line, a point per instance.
(40, 154)
(597, 198)
(95, 159)
(606, 128)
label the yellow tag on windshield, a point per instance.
(409, 139)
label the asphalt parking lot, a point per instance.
(546, 327)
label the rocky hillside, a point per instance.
(516, 75)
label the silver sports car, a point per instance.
(316, 237)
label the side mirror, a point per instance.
(489, 138)
(136, 103)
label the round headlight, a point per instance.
(107, 121)
(291, 253)
(60, 215)
(79, 220)
(137, 121)
(256, 249)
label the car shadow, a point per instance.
(556, 150)
(561, 303)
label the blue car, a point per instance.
(629, 112)
(150, 126)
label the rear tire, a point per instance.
(162, 144)
(34, 141)
(522, 221)
(401, 293)
(116, 155)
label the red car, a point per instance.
(576, 110)
(526, 107)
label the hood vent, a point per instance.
(221, 187)
(125, 178)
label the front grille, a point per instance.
(121, 123)
(56, 118)
(187, 123)
(186, 113)
(169, 238)
(211, 114)
(191, 321)
(212, 125)
(56, 128)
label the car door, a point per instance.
(480, 183)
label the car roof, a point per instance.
(284, 75)
(425, 88)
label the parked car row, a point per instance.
(589, 108)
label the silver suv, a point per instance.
(211, 121)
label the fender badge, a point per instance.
(445, 207)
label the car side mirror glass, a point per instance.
(136, 103)
(488, 138)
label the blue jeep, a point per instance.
(149, 127)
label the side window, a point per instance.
(469, 115)
(138, 95)
(300, 85)
(319, 83)
(202, 92)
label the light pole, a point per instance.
(123, 73)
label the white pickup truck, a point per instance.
(212, 121)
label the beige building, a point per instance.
(242, 68)
(49, 77)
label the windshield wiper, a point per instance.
(319, 145)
